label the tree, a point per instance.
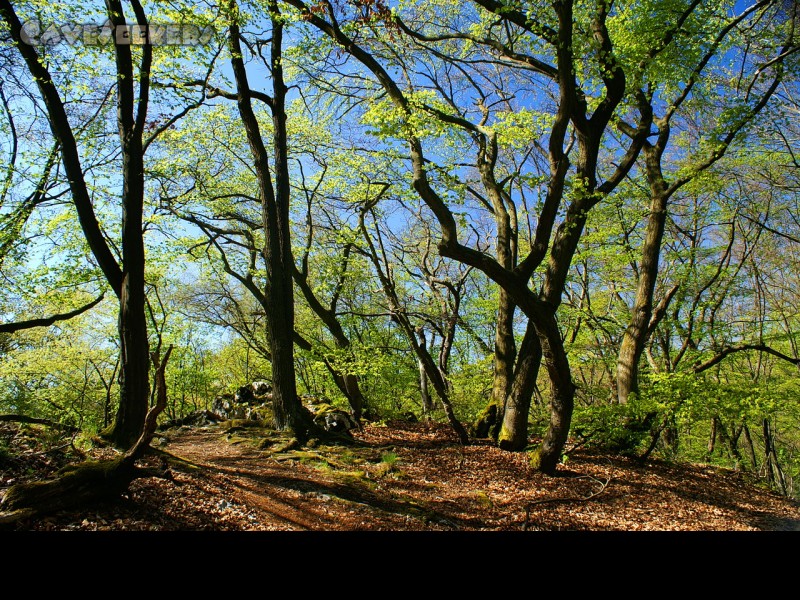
(274, 192)
(126, 275)
(758, 81)
(590, 128)
(437, 374)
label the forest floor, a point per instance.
(399, 477)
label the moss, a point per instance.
(382, 470)
(483, 499)
(504, 438)
(487, 425)
(289, 444)
(266, 442)
(352, 475)
(535, 458)
(76, 485)
(507, 441)
(237, 439)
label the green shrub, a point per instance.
(618, 428)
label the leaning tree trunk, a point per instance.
(562, 395)
(427, 402)
(348, 385)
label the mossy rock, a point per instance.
(246, 423)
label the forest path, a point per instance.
(416, 477)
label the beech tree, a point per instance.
(758, 79)
(125, 274)
(573, 109)
(272, 174)
(369, 182)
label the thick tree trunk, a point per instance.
(514, 432)
(562, 395)
(134, 373)
(289, 412)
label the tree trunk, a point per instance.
(751, 450)
(514, 432)
(279, 290)
(562, 395)
(670, 436)
(134, 373)
(289, 412)
(731, 440)
(126, 281)
(636, 334)
(771, 464)
(491, 419)
(427, 403)
(348, 385)
(439, 384)
(712, 440)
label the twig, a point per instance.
(603, 486)
(33, 420)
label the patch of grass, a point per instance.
(390, 459)
(388, 465)
(319, 464)
(349, 458)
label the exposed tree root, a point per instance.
(91, 481)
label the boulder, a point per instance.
(243, 405)
(332, 419)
